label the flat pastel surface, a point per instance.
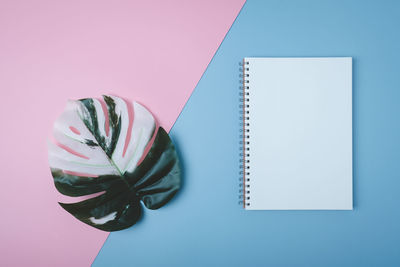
(153, 52)
(204, 225)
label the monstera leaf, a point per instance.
(118, 151)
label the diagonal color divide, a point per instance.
(153, 52)
(205, 226)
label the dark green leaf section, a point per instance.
(157, 178)
(155, 181)
(90, 143)
(75, 186)
(114, 122)
(123, 203)
(91, 122)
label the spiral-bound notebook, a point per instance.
(296, 140)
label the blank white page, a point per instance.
(300, 138)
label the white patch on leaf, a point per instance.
(104, 219)
(81, 153)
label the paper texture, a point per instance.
(300, 133)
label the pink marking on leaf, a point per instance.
(107, 119)
(130, 121)
(73, 152)
(149, 144)
(74, 130)
(67, 199)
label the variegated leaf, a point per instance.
(112, 147)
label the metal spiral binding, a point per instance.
(244, 149)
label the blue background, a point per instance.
(204, 226)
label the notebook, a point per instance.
(296, 134)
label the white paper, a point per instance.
(300, 133)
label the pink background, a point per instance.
(153, 52)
